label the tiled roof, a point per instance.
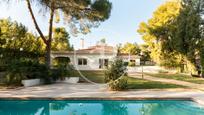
(98, 49)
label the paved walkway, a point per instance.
(148, 69)
(170, 81)
(91, 91)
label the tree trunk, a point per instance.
(35, 22)
(48, 48)
(47, 42)
(47, 55)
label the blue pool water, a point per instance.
(96, 107)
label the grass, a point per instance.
(95, 76)
(133, 83)
(180, 77)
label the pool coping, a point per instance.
(85, 92)
(108, 98)
(95, 98)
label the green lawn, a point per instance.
(133, 83)
(95, 76)
(181, 77)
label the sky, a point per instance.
(121, 27)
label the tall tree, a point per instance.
(131, 48)
(187, 38)
(146, 52)
(101, 41)
(195, 11)
(78, 13)
(61, 40)
(159, 30)
(17, 43)
(16, 37)
(175, 33)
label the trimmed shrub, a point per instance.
(119, 84)
(115, 70)
(126, 63)
(131, 64)
(114, 73)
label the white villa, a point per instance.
(95, 57)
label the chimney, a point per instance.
(82, 43)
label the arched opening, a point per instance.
(58, 61)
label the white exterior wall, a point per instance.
(92, 61)
(137, 62)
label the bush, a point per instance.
(114, 73)
(60, 72)
(2, 68)
(115, 70)
(119, 84)
(131, 64)
(29, 69)
(163, 71)
(13, 79)
(61, 61)
(18, 70)
(125, 63)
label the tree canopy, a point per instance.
(159, 28)
(80, 15)
(131, 48)
(61, 40)
(16, 41)
(15, 36)
(174, 34)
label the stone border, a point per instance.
(99, 98)
(200, 102)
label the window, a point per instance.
(82, 61)
(106, 62)
(103, 63)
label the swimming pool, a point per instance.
(99, 107)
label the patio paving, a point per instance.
(72, 91)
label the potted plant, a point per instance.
(69, 78)
(62, 69)
(59, 73)
(35, 73)
(72, 79)
(31, 79)
(31, 82)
